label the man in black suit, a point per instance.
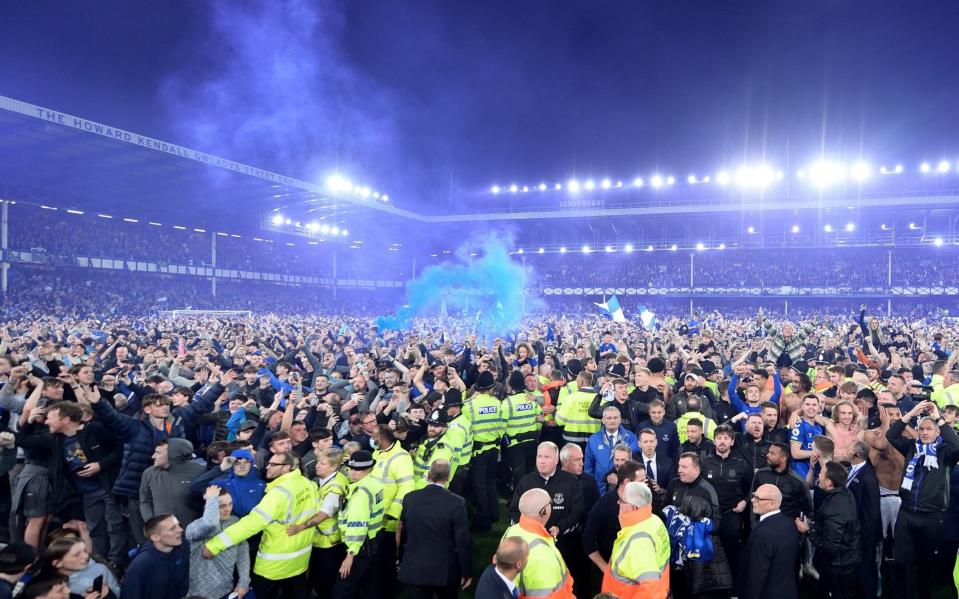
(660, 469)
(435, 539)
(768, 565)
(498, 580)
(864, 486)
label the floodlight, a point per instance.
(541, 251)
(609, 249)
(288, 221)
(629, 247)
(751, 230)
(334, 230)
(542, 187)
(673, 247)
(519, 251)
(324, 229)
(795, 229)
(700, 246)
(494, 189)
(937, 241)
(828, 228)
(924, 167)
(706, 179)
(722, 246)
(723, 178)
(586, 249)
(590, 185)
(513, 188)
(573, 185)
(638, 182)
(525, 188)
(562, 250)
(649, 248)
(850, 227)
(558, 186)
(344, 232)
(277, 219)
(656, 181)
(825, 173)
(943, 166)
(606, 184)
(691, 179)
(670, 180)
(336, 183)
(861, 171)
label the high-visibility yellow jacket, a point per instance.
(459, 438)
(946, 396)
(573, 415)
(327, 531)
(545, 573)
(394, 470)
(639, 564)
(488, 426)
(362, 519)
(709, 425)
(521, 412)
(289, 499)
(428, 452)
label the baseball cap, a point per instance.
(242, 454)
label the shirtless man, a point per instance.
(887, 462)
(845, 428)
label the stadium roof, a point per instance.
(50, 157)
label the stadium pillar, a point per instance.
(4, 244)
(888, 307)
(787, 308)
(334, 273)
(889, 268)
(213, 261)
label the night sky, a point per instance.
(424, 98)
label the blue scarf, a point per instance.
(926, 456)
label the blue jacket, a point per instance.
(599, 454)
(246, 491)
(156, 575)
(140, 437)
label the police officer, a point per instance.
(573, 412)
(432, 448)
(394, 470)
(459, 438)
(360, 524)
(732, 477)
(328, 548)
(282, 561)
(523, 417)
(487, 427)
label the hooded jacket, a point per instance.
(167, 490)
(246, 491)
(836, 530)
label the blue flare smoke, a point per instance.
(487, 287)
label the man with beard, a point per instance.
(432, 448)
(795, 494)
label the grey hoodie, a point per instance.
(214, 577)
(167, 490)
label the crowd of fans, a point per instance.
(302, 450)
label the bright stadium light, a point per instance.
(649, 248)
(558, 186)
(606, 184)
(562, 250)
(801, 174)
(628, 248)
(619, 184)
(670, 180)
(937, 241)
(722, 246)
(525, 188)
(827, 228)
(513, 188)
(925, 167)
(344, 232)
(706, 179)
(541, 251)
(656, 181)
(825, 173)
(590, 185)
(573, 186)
(288, 221)
(313, 226)
(884, 227)
(913, 226)
(700, 246)
(609, 249)
(795, 229)
(891, 171)
(324, 229)
(751, 230)
(943, 166)
(586, 249)
(673, 247)
(692, 180)
(495, 189)
(385, 198)
(337, 183)
(542, 187)
(364, 192)
(520, 251)
(860, 171)
(334, 230)
(723, 178)
(638, 182)
(850, 227)
(277, 219)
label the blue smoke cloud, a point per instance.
(272, 86)
(486, 288)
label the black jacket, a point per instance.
(697, 500)
(768, 565)
(632, 411)
(793, 488)
(602, 526)
(864, 486)
(731, 477)
(752, 451)
(491, 586)
(436, 541)
(566, 494)
(835, 532)
(930, 487)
